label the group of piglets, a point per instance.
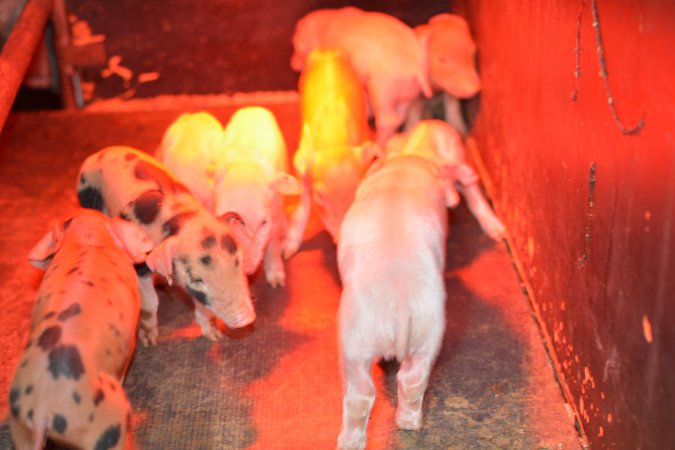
(209, 208)
(396, 64)
(384, 202)
(91, 303)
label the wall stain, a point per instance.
(589, 215)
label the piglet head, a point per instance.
(206, 260)
(254, 197)
(450, 54)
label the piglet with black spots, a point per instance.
(201, 253)
(67, 385)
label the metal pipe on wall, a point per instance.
(19, 49)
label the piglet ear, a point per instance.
(41, 254)
(131, 238)
(160, 260)
(285, 184)
(244, 238)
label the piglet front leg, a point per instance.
(297, 224)
(453, 114)
(147, 331)
(275, 273)
(482, 211)
(207, 323)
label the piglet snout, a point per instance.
(241, 319)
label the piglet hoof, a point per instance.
(351, 441)
(290, 247)
(148, 337)
(276, 277)
(147, 331)
(409, 420)
(212, 333)
(493, 227)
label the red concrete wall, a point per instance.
(590, 210)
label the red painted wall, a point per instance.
(590, 211)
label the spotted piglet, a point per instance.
(391, 257)
(67, 385)
(201, 253)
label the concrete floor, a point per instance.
(276, 385)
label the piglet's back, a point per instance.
(399, 212)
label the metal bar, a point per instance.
(62, 43)
(18, 51)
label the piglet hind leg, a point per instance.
(23, 438)
(412, 378)
(359, 396)
(298, 222)
(207, 323)
(453, 114)
(110, 420)
(482, 211)
(147, 331)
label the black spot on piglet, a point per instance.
(142, 269)
(14, 395)
(91, 198)
(59, 423)
(49, 337)
(208, 242)
(109, 438)
(148, 205)
(99, 397)
(172, 226)
(198, 295)
(69, 312)
(65, 361)
(229, 244)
